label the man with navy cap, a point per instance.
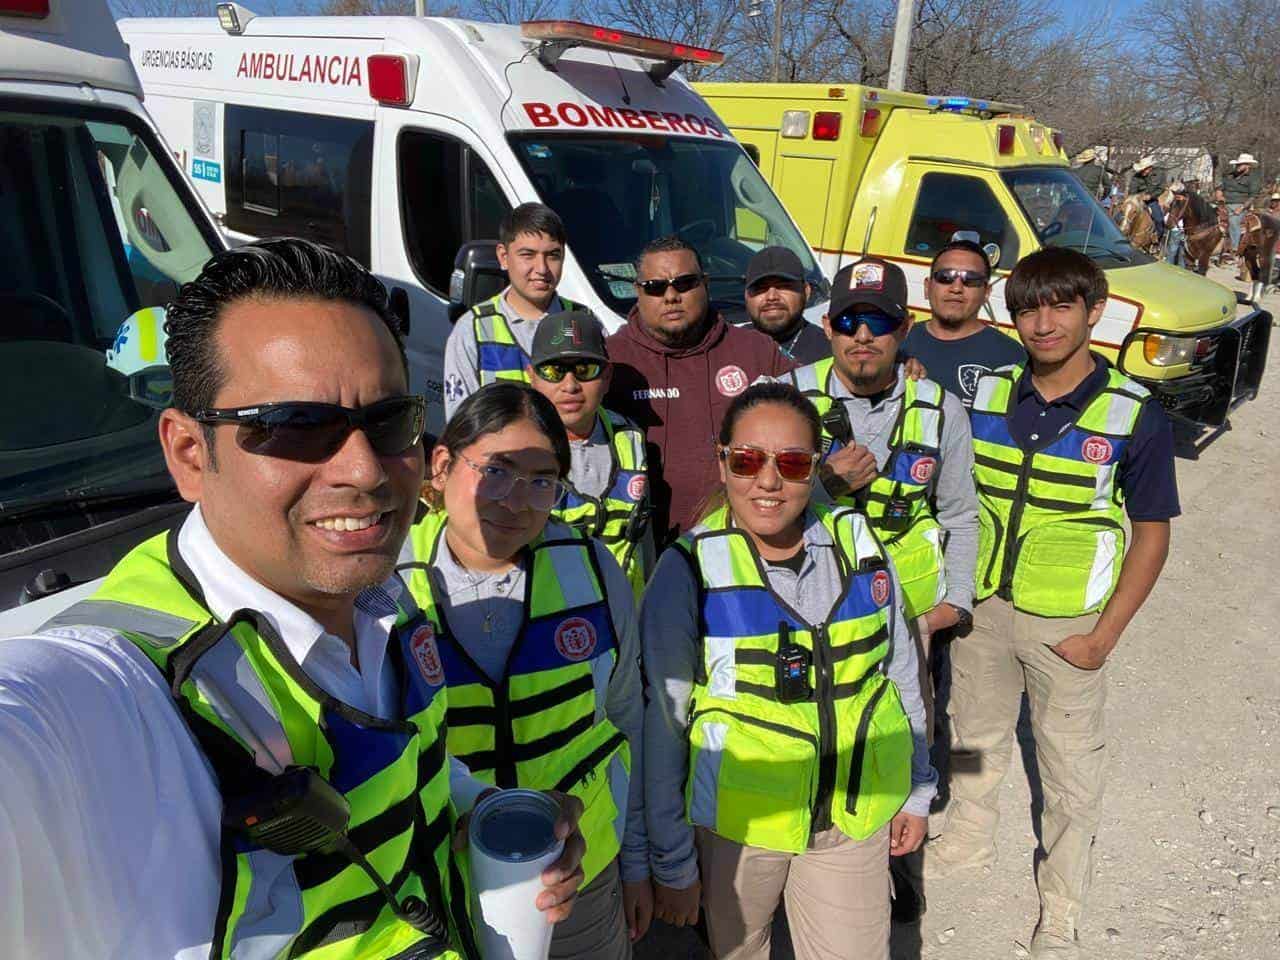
(776, 295)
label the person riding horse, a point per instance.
(1238, 189)
(1091, 172)
(1148, 182)
(1196, 233)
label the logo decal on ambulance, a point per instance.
(923, 469)
(880, 588)
(1096, 450)
(575, 638)
(868, 276)
(635, 487)
(423, 647)
(731, 380)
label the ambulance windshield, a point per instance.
(1065, 215)
(616, 193)
(93, 229)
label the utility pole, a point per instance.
(777, 38)
(419, 8)
(901, 45)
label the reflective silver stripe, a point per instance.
(1104, 559)
(225, 677)
(163, 629)
(930, 427)
(714, 559)
(722, 667)
(706, 775)
(806, 378)
(928, 392)
(1103, 486)
(272, 915)
(576, 584)
(601, 673)
(984, 399)
(1122, 415)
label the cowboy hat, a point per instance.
(1244, 158)
(1085, 155)
(1275, 196)
(1178, 186)
(1145, 163)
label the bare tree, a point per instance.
(163, 8)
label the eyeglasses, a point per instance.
(794, 466)
(497, 483)
(658, 286)
(584, 371)
(311, 432)
(877, 322)
(949, 275)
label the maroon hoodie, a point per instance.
(678, 396)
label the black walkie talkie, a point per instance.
(791, 671)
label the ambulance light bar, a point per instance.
(232, 17)
(557, 36)
(35, 9)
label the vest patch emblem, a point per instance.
(575, 638)
(635, 487)
(1096, 449)
(423, 647)
(880, 588)
(923, 469)
(731, 380)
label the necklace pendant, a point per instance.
(487, 626)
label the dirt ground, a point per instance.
(1187, 863)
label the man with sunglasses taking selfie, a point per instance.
(956, 345)
(608, 495)
(247, 715)
(677, 366)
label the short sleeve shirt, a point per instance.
(958, 364)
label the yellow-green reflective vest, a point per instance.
(498, 353)
(899, 501)
(255, 712)
(543, 726)
(767, 773)
(1051, 537)
(619, 518)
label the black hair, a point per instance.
(277, 269)
(1054, 275)
(495, 407)
(532, 218)
(669, 244)
(770, 391)
(968, 246)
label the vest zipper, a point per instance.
(1005, 589)
(755, 722)
(826, 731)
(860, 749)
(504, 764)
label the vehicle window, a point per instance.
(93, 227)
(298, 174)
(448, 197)
(615, 193)
(948, 202)
(1064, 214)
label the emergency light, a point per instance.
(233, 18)
(1004, 139)
(392, 78)
(870, 122)
(558, 36)
(826, 125)
(35, 9)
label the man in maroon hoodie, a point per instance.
(676, 366)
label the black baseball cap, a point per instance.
(876, 283)
(774, 262)
(569, 335)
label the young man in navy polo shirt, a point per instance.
(1064, 449)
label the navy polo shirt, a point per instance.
(1145, 472)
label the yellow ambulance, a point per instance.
(868, 171)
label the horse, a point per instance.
(1201, 231)
(1259, 232)
(1134, 220)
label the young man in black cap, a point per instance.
(775, 298)
(608, 484)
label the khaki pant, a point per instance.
(597, 928)
(837, 896)
(1008, 652)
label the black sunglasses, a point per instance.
(949, 275)
(311, 432)
(877, 322)
(658, 286)
(584, 371)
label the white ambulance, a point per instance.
(98, 228)
(400, 140)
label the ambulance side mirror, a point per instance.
(476, 276)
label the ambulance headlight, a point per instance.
(1164, 351)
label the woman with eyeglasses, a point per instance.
(533, 628)
(778, 755)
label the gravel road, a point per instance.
(1187, 864)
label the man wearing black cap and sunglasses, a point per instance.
(776, 295)
(234, 746)
(608, 496)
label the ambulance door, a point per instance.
(943, 199)
(438, 187)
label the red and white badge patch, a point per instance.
(731, 380)
(423, 647)
(922, 469)
(880, 588)
(576, 638)
(1096, 450)
(868, 276)
(635, 486)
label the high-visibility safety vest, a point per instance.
(255, 713)
(620, 517)
(899, 501)
(542, 726)
(1051, 536)
(768, 773)
(498, 353)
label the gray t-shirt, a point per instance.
(958, 364)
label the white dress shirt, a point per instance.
(109, 812)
